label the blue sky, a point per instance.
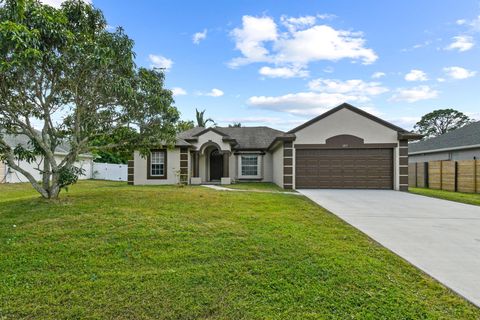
(279, 63)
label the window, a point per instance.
(157, 164)
(249, 166)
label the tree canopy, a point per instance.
(441, 121)
(66, 79)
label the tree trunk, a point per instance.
(54, 189)
(54, 192)
(46, 174)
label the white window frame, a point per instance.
(152, 159)
(259, 166)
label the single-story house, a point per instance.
(459, 144)
(345, 147)
(9, 175)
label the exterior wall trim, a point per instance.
(288, 165)
(364, 146)
(184, 163)
(473, 146)
(131, 172)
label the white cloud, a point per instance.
(251, 37)
(212, 93)
(354, 86)
(160, 62)
(461, 43)
(322, 42)
(473, 24)
(378, 75)
(283, 72)
(215, 93)
(294, 24)
(416, 75)
(324, 94)
(326, 16)
(414, 94)
(259, 40)
(303, 103)
(199, 36)
(177, 91)
(58, 3)
(458, 73)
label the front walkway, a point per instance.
(440, 237)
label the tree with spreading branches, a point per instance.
(441, 121)
(65, 79)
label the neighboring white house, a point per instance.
(9, 175)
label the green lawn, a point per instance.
(256, 186)
(469, 198)
(111, 251)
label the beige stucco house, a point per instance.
(342, 148)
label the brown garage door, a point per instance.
(344, 168)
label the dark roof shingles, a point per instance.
(463, 137)
(246, 137)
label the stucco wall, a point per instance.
(13, 176)
(345, 121)
(452, 155)
(267, 164)
(173, 167)
(277, 166)
(232, 166)
(266, 170)
(213, 137)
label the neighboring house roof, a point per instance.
(23, 140)
(464, 138)
(407, 134)
(244, 138)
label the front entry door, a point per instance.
(216, 165)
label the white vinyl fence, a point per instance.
(109, 171)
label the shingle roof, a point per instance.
(246, 137)
(463, 137)
(23, 140)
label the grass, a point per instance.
(256, 186)
(111, 251)
(468, 198)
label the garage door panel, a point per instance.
(344, 168)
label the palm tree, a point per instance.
(201, 122)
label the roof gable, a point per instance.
(353, 109)
(242, 138)
(208, 130)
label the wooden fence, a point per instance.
(461, 176)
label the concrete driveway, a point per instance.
(440, 237)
